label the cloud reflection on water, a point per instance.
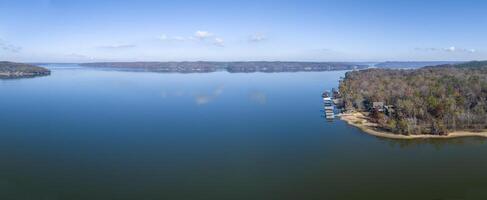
(202, 99)
(258, 97)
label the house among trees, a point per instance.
(335, 93)
(378, 106)
(430, 100)
(389, 110)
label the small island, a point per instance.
(11, 70)
(441, 101)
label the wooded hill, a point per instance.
(429, 100)
(21, 70)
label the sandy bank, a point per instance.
(359, 120)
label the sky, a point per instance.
(245, 30)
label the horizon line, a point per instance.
(149, 61)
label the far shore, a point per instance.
(359, 120)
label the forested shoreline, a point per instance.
(430, 100)
(9, 70)
(231, 67)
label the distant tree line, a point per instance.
(232, 67)
(429, 100)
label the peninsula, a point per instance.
(232, 67)
(10, 70)
(441, 101)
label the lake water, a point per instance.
(98, 134)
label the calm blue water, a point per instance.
(93, 134)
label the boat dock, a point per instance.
(329, 105)
(332, 104)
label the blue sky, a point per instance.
(150, 30)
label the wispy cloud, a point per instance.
(118, 46)
(78, 56)
(5, 46)
(203, 35)
(323, 50)
(257, 37)
(165, 37)
(179, 38)
(450, 49)
(219, 42)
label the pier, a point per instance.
(329, 105)
(332, 103)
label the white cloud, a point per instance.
(219, 42)
(451, 49)
(78, 57)
(257, 37)
(426, 49)
(5, 46)
(202, 34)
(119, 46)
(165, 37)
(204, 37)
(162, 37)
